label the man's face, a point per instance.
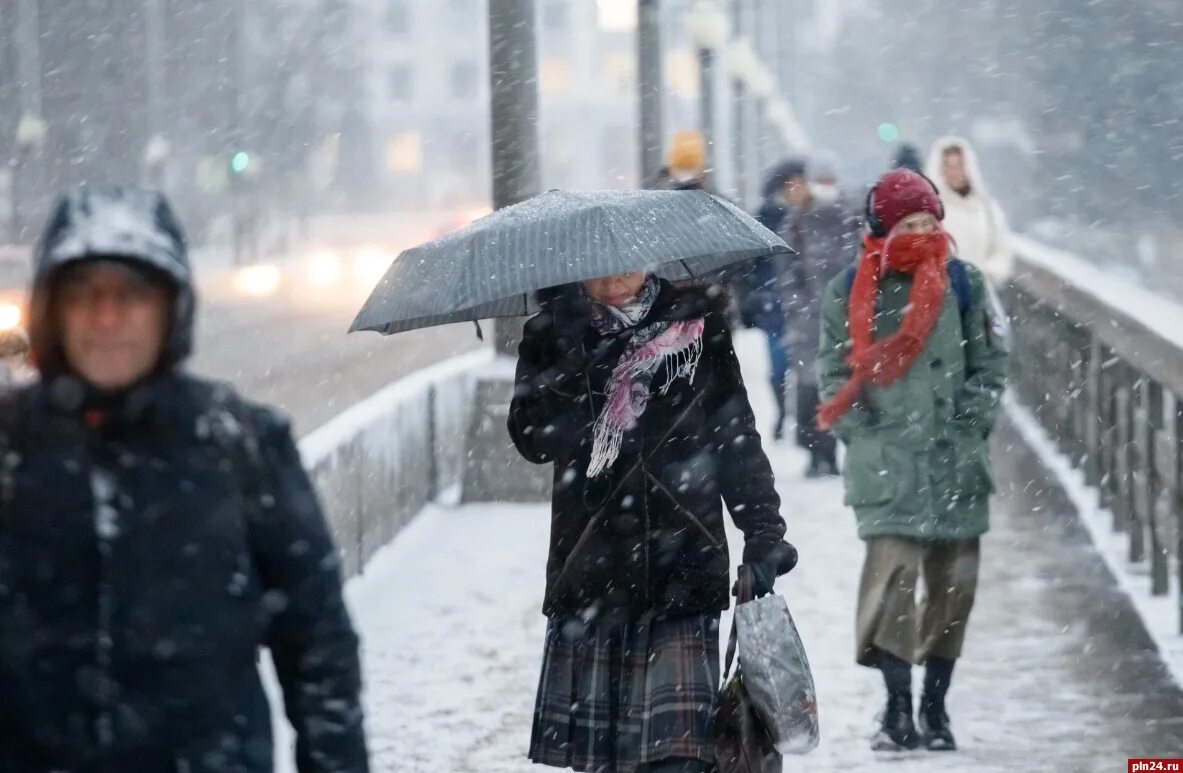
(796, 191)
(953, 168)
(615, 290)
(113, 322)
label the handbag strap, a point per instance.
(747, 592)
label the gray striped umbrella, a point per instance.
(493, 267)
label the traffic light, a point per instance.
(888, 131)
(240, 162)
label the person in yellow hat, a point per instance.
(686, 163)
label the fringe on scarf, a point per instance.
(618, 417)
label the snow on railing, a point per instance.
(1098, 366)
(380, 462)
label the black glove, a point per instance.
(560, 327)
(767, 562)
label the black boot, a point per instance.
(778, 392)
(935, 730)
(815, 469)
(826, 446)
(821, 465)
(897, 732)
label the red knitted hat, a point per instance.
(899, 193)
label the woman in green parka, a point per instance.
(912, 365)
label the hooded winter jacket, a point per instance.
(975, 220)
(150, 543)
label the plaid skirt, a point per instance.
(621, 695)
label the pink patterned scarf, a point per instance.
(678, 345)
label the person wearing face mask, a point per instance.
(628, 386)
(912, 369)
(823, 181)
(972, 216)
(825, 237)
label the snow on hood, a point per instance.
(973, 169)
(113, 222)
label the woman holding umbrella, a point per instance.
(630, 387)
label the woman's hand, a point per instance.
(766, 564)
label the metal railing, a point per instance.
(1100, 365)
(382, 461)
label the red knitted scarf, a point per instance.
(886, 361)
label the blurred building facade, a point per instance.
(164, 93)
(427, 91)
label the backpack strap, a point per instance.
(958, 280)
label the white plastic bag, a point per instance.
(776, 673)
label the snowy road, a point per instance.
(290, 350)
(1057, 674)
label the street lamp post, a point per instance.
(708, 28)
(741, 62)
(156, 148)
(30, 134)
(649, 86)
(762, 86)
(513, 71)
(30, 131)
(492, 471)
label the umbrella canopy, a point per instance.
(493, 267)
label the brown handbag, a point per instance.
(742, 742)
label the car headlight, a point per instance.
(324, 269)
(10, 316)
(257, 281)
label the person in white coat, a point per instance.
(972, 216)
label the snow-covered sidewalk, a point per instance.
(1057, 674)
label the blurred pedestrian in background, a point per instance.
(759, 291)
(972, 216)
(825, 236)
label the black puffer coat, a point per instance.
(647, 534)
(150, 543)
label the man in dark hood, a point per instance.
(156, 530)
(761, 305)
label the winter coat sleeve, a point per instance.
(549, 407)
(833, 349)
(744, 474)
(985, 359)
(310, 636)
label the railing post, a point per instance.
(433, 462)
(1122, 449)
(1137, 460)
(1092, 412)
(1177, 501)
(1080, 406)
(1110, 372)
(1064, 385)
(1150, 398)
